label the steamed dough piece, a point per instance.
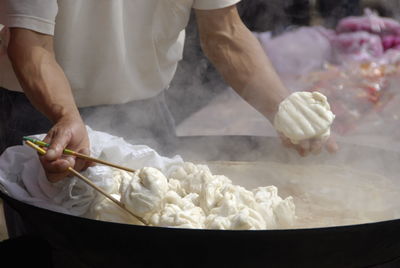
(240, 209)
(236, 209)
(192, 177)
(194, 198)
(179, 212)
(277, 212)
(109, 211)
(144, 193)
(304, 115)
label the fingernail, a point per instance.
(51, 154)
(57, 148)
(70, 160)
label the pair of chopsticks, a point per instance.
(79, 155)
(34, 144)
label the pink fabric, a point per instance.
(365, 38)
(391, 42)
(357, 46)
(370, 22)
(357, 39)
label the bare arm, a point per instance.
(238, 56)
(47, 87)
(33, 60)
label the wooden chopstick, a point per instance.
(37, 148)
(120, 204)
(83, 156)
(90, 183)
(79, 155)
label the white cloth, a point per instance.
(23, 178)
(111, 51)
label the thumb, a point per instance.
(58, 142)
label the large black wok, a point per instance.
(103, 244)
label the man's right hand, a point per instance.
(46, 85)
(68, 132)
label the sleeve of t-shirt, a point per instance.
(35, 15)
(213, 4)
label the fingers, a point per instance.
(82, 164)
(69, 132)
(285, 141)
(58, 165)
(54, 162)
(58, 169)
(316, 146)
(55, 177)
(301, 148)
(331, 145)
(58, 142)
(304, 148)
(313, 146)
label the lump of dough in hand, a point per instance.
(144, 193)
(304, 115)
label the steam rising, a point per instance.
(196, 83)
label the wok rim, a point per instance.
(5, 196)
(248, 139)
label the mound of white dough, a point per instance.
(192, 197)
(172, 193)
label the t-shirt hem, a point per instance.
(213, 4)
(31, 23)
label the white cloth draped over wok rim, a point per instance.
(23, 178)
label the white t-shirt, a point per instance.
(112, 51)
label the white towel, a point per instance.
(23, 178)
